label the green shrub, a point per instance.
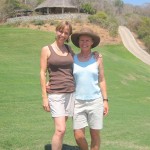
(87, 8)
(102, 15)
(133, 21)
(99, 18)
(113, 29)
(38, 22)
(15, 24)
(142, 32)
(53, 22)
(147, 43)
(105, 21)
(143, 28)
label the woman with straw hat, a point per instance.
(91, 101)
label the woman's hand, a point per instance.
(47, 87)
(97, 55)
(106, 108)
(46, 106)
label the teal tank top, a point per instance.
(86, 79)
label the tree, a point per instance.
(87, 8)
(2, 10)
(8, 8)
(78, 3)
(119, 5)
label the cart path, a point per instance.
(131, 44)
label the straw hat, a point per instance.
(85, 31)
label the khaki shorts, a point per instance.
(61, 104)
(88, 113)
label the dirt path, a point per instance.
(131, 44)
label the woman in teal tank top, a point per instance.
(91, 101)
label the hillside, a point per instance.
(104, 34)
(106, 39)
(25, 126)
(131, 44)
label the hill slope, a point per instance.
(25, 126)
(131, 44)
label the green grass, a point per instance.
(25, 126)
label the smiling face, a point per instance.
(63, 31)
(63, 34)
(85, 42)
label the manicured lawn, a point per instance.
(25, 126)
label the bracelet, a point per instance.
(105, 99)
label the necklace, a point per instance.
(60, 49)
(86, 56)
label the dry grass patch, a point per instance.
(103, 33)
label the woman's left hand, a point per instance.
(97, 55)
(106, 108)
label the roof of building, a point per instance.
(56, 3)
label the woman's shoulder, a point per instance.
(45, 47)
(45, 50)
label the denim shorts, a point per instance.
(61, 104)
(88, 113)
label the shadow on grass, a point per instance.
(65, 147)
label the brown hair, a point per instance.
(62, 25)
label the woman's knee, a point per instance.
(79, 135)
(60, 126)
(60, 131)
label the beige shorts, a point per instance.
(88, 113)
(61, 104)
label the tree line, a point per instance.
(114, 7)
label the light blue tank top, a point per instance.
(86, 79)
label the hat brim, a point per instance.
(75, 38)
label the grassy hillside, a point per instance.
(25, 126)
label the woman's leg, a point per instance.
(79, 135)
(60, 128)
(95, 139)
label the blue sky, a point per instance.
(136, 2)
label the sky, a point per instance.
(136, 2)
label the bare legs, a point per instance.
(81, 140)
(60, 128)
(95, 139)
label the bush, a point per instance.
(99, 18)
(140, 25)
(38, 22)
(105, 21)
(133, 21)
(87, 8)
(102, 15)
(147, 43)
(52, 22)
(143, 31)
(113, 29)
(15, 24)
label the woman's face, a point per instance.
(85, 42)
(63, 34)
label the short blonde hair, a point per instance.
(62, 25)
